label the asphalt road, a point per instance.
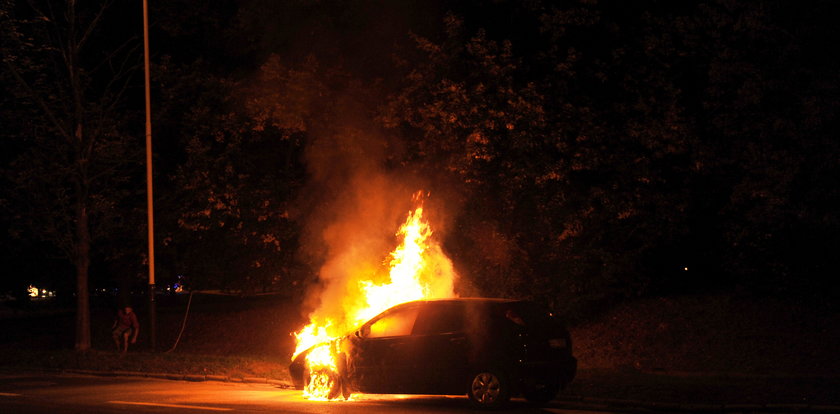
(69, 393)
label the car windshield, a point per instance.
(396, 323)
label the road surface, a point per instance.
(69, 393)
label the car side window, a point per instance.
(398, 323)
(439, 319)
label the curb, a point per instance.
(182, 377)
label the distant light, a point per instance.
(685, 268)
(33, 291)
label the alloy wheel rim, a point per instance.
(486, 388)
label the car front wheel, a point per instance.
(489, 389)
(322, 384)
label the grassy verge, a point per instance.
(169, 363)
(715, 333)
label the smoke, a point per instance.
(358, 189)
(354, 199)
(357, 198)
(357, 35)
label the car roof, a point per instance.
(471, 301)
(467, 300)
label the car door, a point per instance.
(439, 349)
(378, 360)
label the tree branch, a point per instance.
(40, 101)
(92, 25)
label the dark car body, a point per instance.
(444, 346)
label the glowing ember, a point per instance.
(418, 269)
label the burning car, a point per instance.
(489, 349)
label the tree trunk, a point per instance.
(84, 146)
(82, 291)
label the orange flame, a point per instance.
(419, 269)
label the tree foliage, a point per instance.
(72, 159)
(630, 149)
(225, 216)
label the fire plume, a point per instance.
(417, 269)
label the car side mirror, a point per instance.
(362, 332)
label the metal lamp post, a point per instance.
(149, 203)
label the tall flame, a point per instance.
(418, 269)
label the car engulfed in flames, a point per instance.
(404, 331)
(489, 349)
(418, 269)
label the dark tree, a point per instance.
(68, 71)
(620, 149)
(228, 181)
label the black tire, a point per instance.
(489, 389)
(541, 393)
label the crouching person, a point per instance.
(126, 325)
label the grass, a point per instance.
(229, 336)
(169, 363)
(725, 334)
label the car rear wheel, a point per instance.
(489, 389)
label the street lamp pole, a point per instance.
(149, 203)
